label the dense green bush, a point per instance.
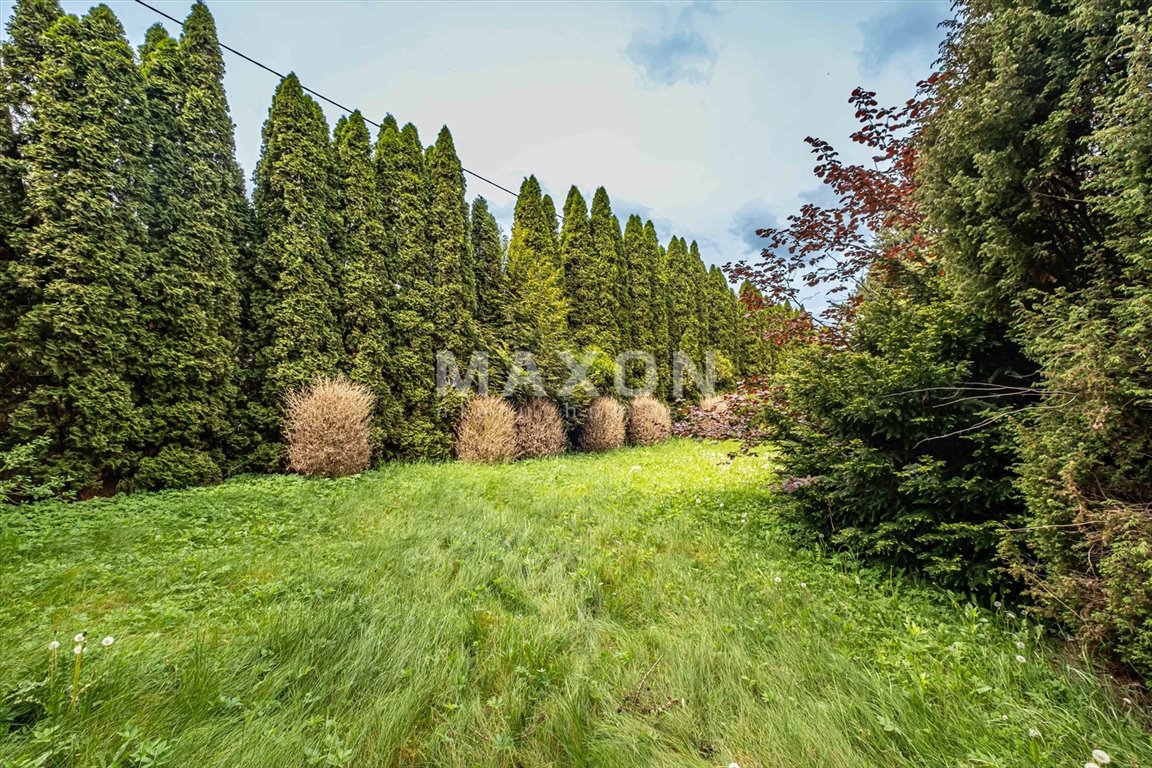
(177, 467)
(885, 456)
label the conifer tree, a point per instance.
(491, 280)
(642, 255)
(195, 220)
(724, 317)
(453, 274)
(549, 207)
(368, 296)
(687, 320)
(590, 277)
(23, 52)
(608, 249)
(403, 178)
(656, 266)
(539, 309)
(80, 338)
(294, 303)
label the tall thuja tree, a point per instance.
(20, 58)
(590, 278)
(195, 220)
(368, 297)
(608, 251)
(81, 336)
(295, 330)
(453, 274)
(403, 178)
(656, 264)
(490, 277)
(687, 324)
(724, 317)
(549, 207)
(539, 309)
(642, 252)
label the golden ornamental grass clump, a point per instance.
(328, 428)
(649, 422)
(539, 429)
(604, 426)
(486, 433)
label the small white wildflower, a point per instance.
(1020, 659)
(1101, 757)
(721, 505)
(79, 637)
(1004, 718)
(1010, 615)
(1091, 765)
(997, 604)
(733, 765)
(107, 641)
(1127, 701)
(635, 468)
(803, 585)
(78, 650)
(1019, 645)
(53, 645)
(697, 499)
(1033, 733)
(777, 579)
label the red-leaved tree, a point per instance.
(875, 224)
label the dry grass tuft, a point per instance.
(604, 425)
(486, 433)
(540, 429)
(649, 422)
(328, 428)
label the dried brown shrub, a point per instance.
(328, 428)
(604, 425)
(649, 422)
(486, 433)
(539, 429)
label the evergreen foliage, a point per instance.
(608, 250)
(368, 296)
(491, 280)
(195, 219)
(79, 337)
(539, 308)
(403, 178)
(294, 303)
(590, 278)
(454, 275)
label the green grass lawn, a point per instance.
(640, 608)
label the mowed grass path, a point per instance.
(640, 608)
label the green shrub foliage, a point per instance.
(881, 456)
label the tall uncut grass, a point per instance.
(635, 608)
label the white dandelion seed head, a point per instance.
(107, 641)
(803, 585)
(777, 579)
(1019, 645)
(1091, 765)
(1010, 615)
(1020, 659)
(1101, 757)
(697, 499)
(1127, 701)
(78, 650)
(721, 505)
(635, 468)
(1033, 733)
(733, 765)
(53, 645)
(79, 637)
(997, 604)
(1004, 718)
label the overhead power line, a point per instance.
(317, 94)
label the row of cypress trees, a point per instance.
(152, 317)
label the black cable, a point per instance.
(317, 94)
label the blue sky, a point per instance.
(692, 114)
